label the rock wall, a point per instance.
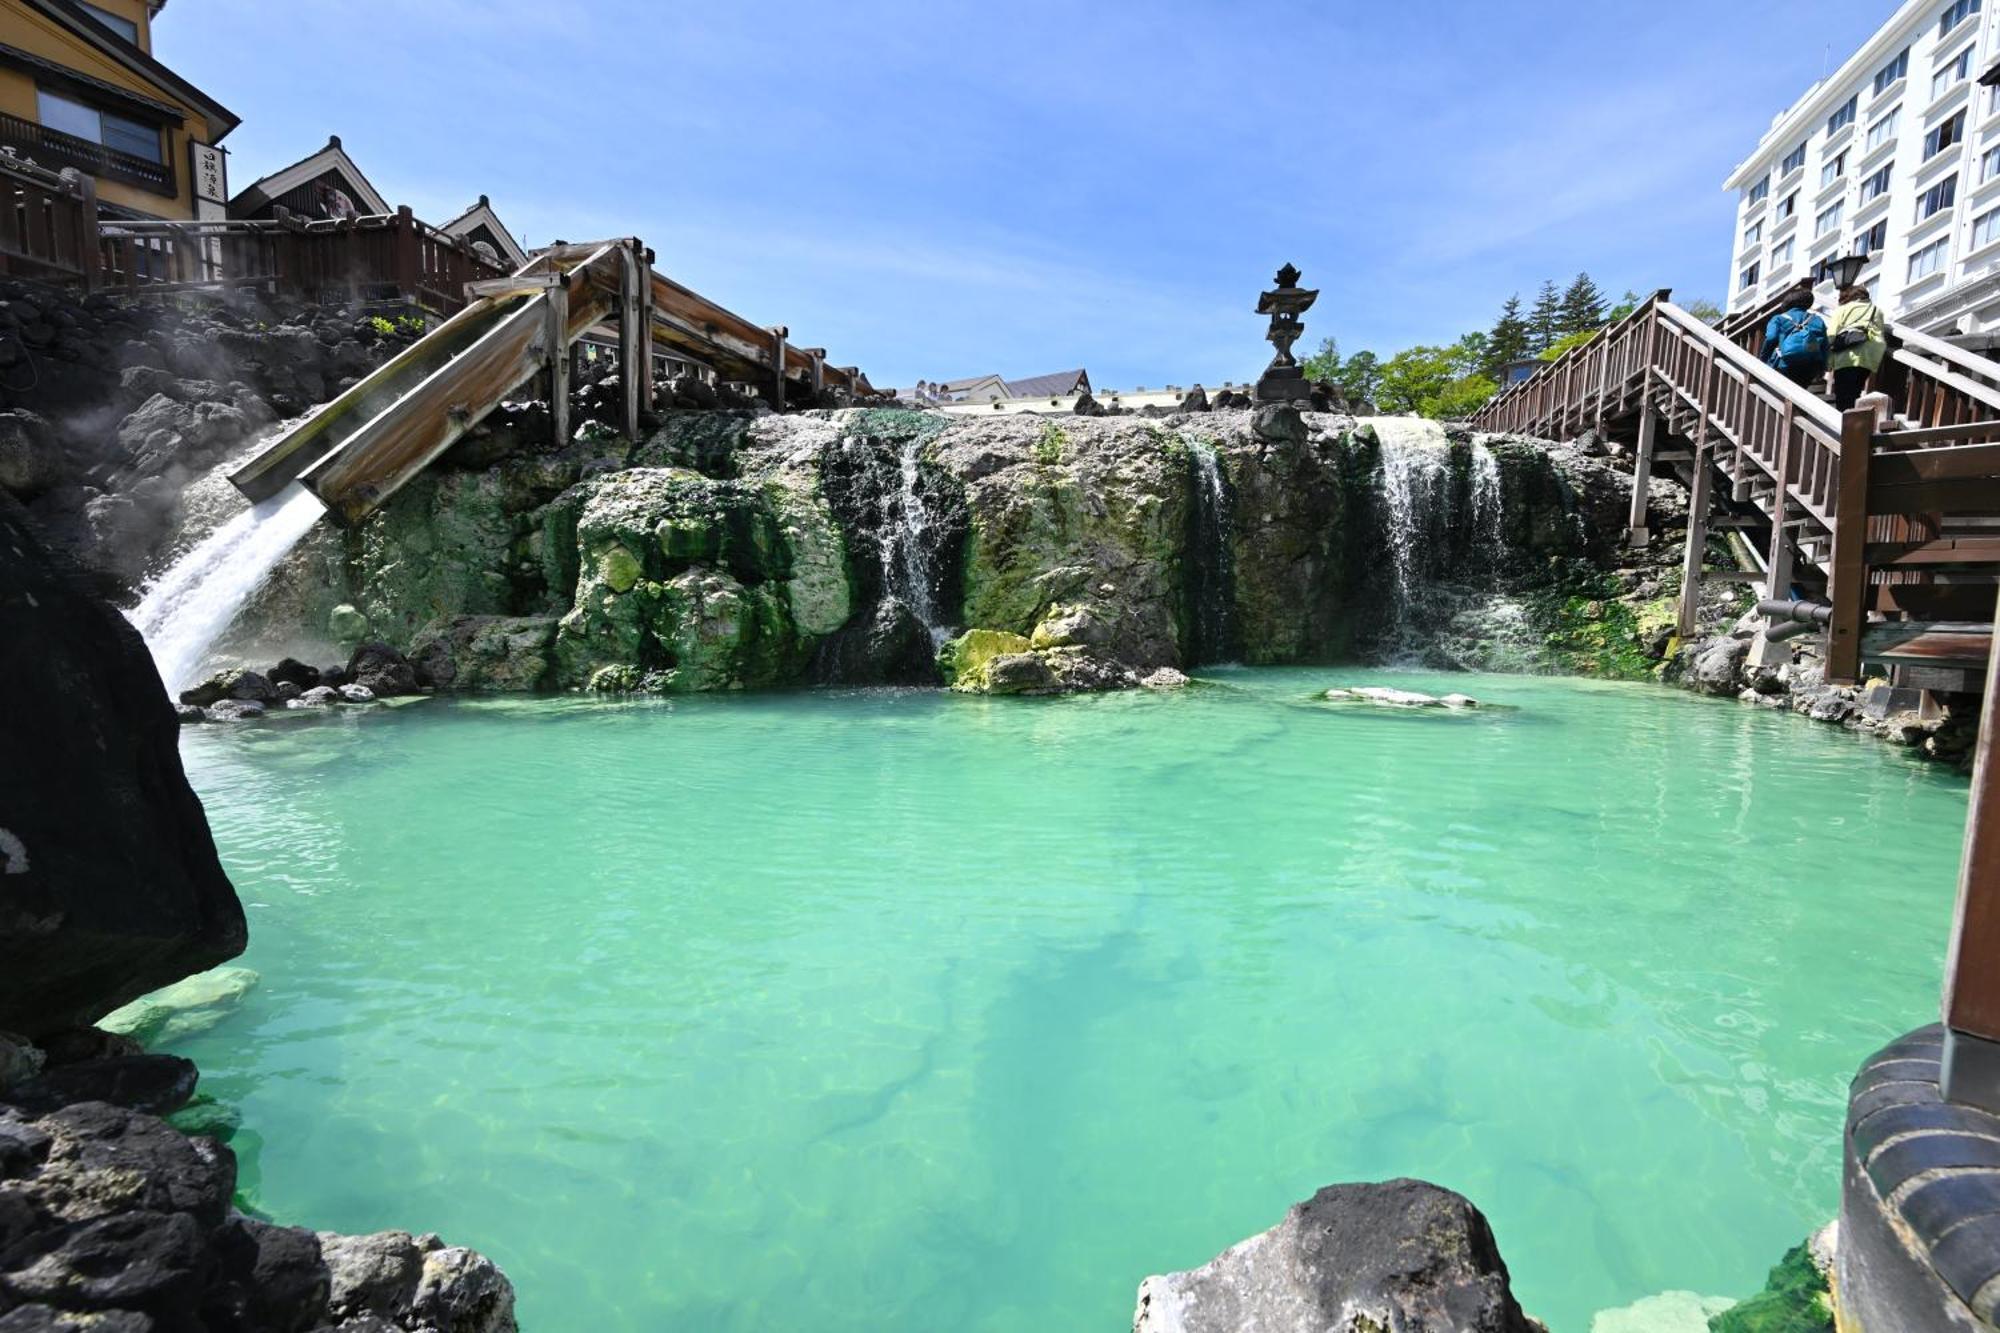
(734, 549)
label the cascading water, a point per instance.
(189, 606)
(1211, 592)
(1486, 507)
(908, 573)
(1442, 528)
(1413, 481)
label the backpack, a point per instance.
(1801, 340)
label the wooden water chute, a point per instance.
(359, 449)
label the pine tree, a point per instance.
(1545, 320)
(1582, 308)
(1508, 341)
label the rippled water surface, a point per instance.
(901, 1011)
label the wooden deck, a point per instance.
(1897, 528)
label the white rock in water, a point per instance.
(189, 1006)
(1668, 1312)
(1383, 696)
(1459, 701)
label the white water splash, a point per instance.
(1212, 557)
(1486, 505)
(189, 606)
(907, 571)
(1413, 481)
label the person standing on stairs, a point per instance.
(1795, 340)
(1858, 342)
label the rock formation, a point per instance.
(1403, 1255)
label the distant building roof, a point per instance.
(1056, 385)
(480, 222)
(332, 158)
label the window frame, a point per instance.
(1883, 130)
(1877, 182)
(1829, 218)
(1892, 73)
(1939, 197)
(118, 23)
(1937, 251)
(1955, 13)
(1844, 116)
(1750, 276)
(139, 130)
(1794, 160)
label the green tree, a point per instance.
(1508, 341)
(1461, 398)
(1468, 355)
(1545, 320)
(1323, 366)
(1626, 305)
(1582, 307)
(1568, 341)
(1705, 310)
(1360, 379)
(1413, 377)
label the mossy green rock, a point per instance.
(1795, 1299)
(189, 1006)
(966, 661)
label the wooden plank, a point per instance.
(556, 336)
(1942, 551)
(1642, 474)
(1898, 468)
(1972, 967)
(1734, 576)
(1848, 577)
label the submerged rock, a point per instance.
(479, 653)
(1668, 1312)
(189, 1006)
(1384, 697)
(1402, 1255)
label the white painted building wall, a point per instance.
(1896, 155)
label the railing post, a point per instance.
(1636, 533)
(778, 335)
(556, 334)
(1778, 560)
(408, 264)
(1971, 1065)
(635, 335)
(1847, 585)
(86, 230)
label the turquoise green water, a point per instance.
(902, 1011)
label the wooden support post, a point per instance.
(635, 327)
(1697, 543)
(777, 389)
(1971, 1070)
(1778, 557)
(86, 231)
(557, 335)
(1642, 467)
(816, 376)
(1847, 585)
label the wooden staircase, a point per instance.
(1898, 527)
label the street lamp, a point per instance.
(1844, 270)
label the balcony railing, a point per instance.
(55, 150)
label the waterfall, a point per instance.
(908, 573)
(1211, 564)
(1413, 483)
(189, 606)
(1490, 541)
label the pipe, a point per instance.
(1804, 613)
(1790, 629)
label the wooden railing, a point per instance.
(48, 223)
(390, 257)
(1901, 522)
(53, 150)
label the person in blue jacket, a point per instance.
(1795, 341)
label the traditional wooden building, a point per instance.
(326, 183)
(482, 226)
(79, 88)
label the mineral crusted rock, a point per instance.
(1403, 1255)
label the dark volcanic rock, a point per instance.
(380, 668)
(158, 1084)
(112, 887)
(885, 646)
(144, 1261)
(1402, 1255)
(272, 1279)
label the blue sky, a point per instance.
(935, 189)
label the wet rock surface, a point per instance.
(1403, 1255)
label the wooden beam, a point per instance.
(555, 336)
(1642, 469)
(635, 342)
(1697, 545)
(1972, 967)
(1848, 585)
(1940, 551)
(776, 390)
(1928, 643)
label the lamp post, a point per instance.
(1844, 270)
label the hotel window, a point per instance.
(1876, 185)
(1892, 71)
(1929, 259)
(1749, 278)
(1989, 164)
(1955, 14)
(1883, 130)
(1758, 191)
(1871, 241)
(1753, 234)
(1943, 135)
(1781, 254)
(1986, 228)
(1827, 221)
(1843, 117)
(1952, 74)
(1793, 160)
(1938, 198)
(1786, 206)
(1834, 169)
(87, 122)
(124, 27)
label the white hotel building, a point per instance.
(1896, 157)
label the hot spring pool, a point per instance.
(903, 1011)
